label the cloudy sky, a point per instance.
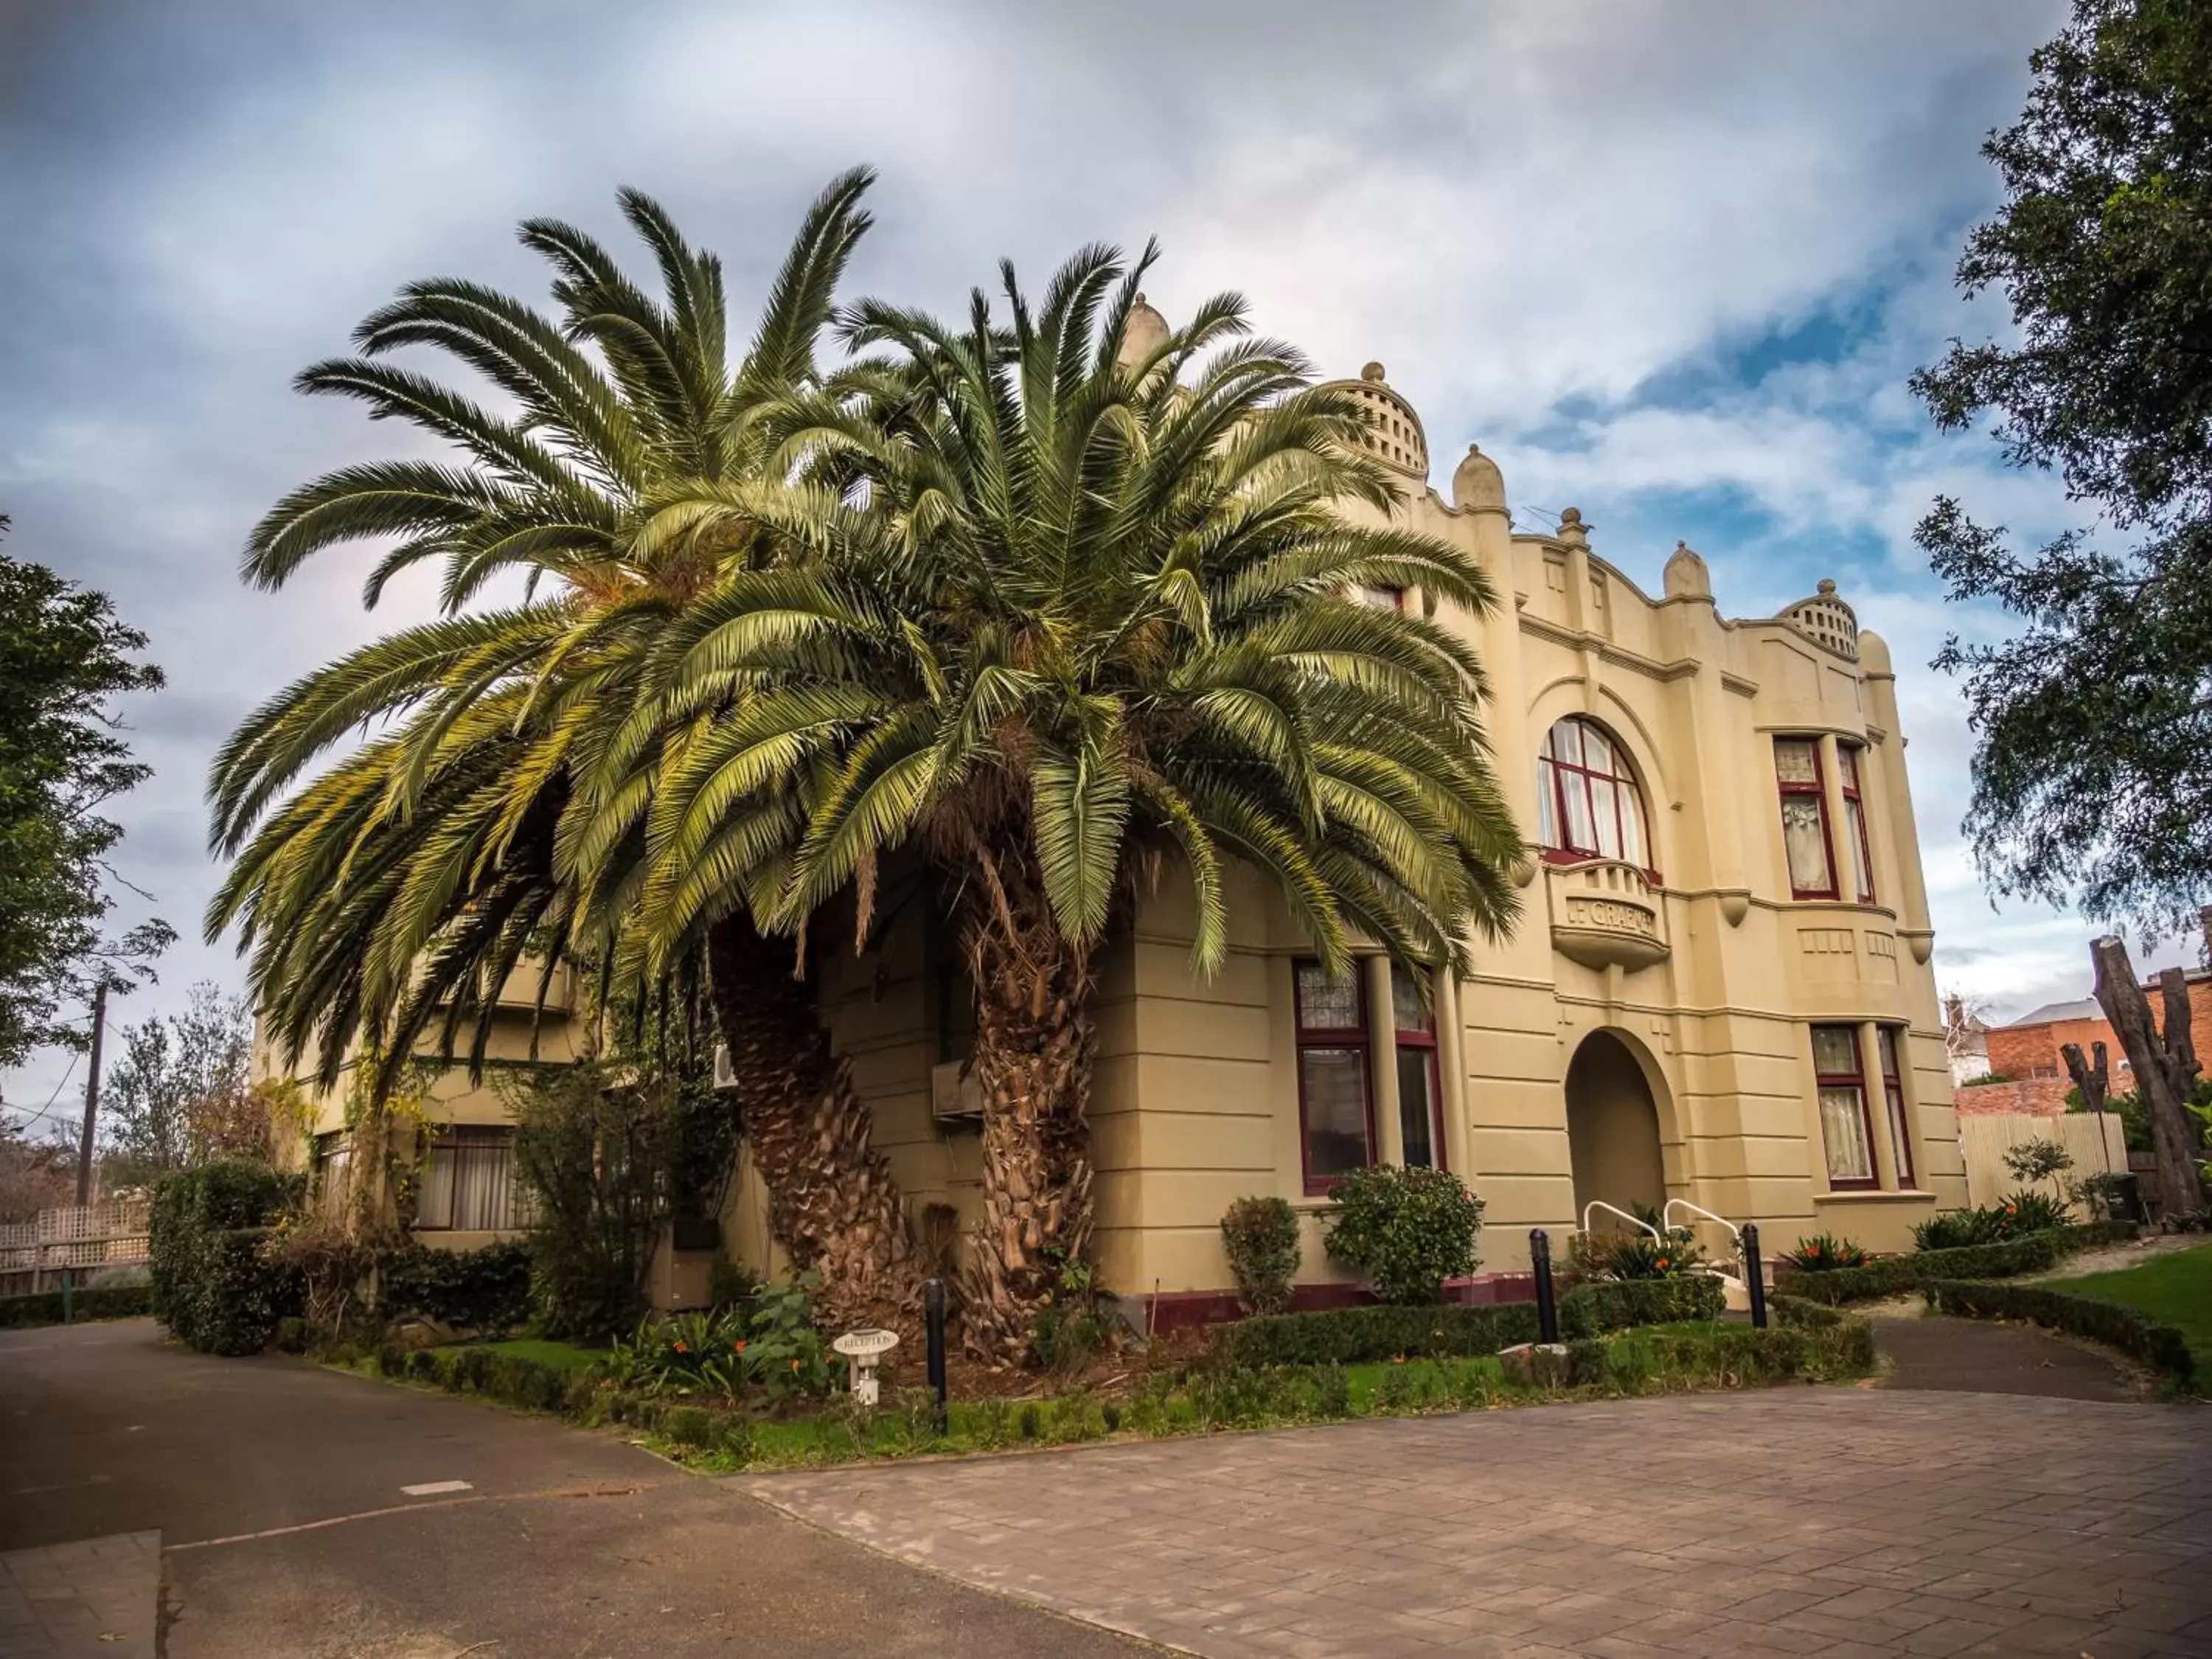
(1669, 260)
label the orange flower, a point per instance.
(794, 1365)
(738, 1346)
(682, 1348)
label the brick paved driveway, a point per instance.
(1830, 1522)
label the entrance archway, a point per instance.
(1613, 1128)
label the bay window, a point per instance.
(1589, 804)
(1855, 831)
(1846, 1129)
(1805, 839)
(1892, 1091)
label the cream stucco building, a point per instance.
(1719, 991)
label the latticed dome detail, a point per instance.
(1394, 431)
(1827, 620)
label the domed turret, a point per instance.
(1394, 433)
(1874, 652)
(1477, 485)
(1141, 335)
(1687, 578)
(1826, 620)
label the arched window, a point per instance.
(1588, 801)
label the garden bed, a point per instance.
(1163, 1397)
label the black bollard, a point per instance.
(1754, 1275)
(1547, 1306)
(933, 1307)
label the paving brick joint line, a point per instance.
(95, 1596)
(1828, 1522)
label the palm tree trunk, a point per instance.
(1035, 1041)
(832, 1202)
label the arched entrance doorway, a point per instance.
(1613, 1128)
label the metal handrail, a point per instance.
(1634, 1221)
(1734, 1231)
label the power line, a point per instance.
(46, 1109)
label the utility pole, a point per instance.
(91, 1098)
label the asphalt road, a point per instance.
(278, 1489)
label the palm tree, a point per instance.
(1083, 613)
(500, 811)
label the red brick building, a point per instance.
(2026, 1053)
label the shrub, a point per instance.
(1351, 1336)
(1408, 1231)
(1953, 1230)
(2028, 1212)
(1843, 1344)
(595, 1157)
(213, 1283)
(1261, 1236)
(485, 1290)
(2039, 1159)
(1825, 1253)
(1896, 1274)
(99, 1302)
(1076, 1322)
(2133, 1332)
(2014, 1216)
(1604, 1305)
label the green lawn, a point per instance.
(2174, 1288)
(561, 1356)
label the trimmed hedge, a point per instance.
(511, 1379)
(1348, 1336)
(476, 1289)
(2134, 1333)
(108, 1302)
(1615, 1305)
(1351, 1336)
(211, 1282)
(1844, 1338)
(2089, 1235)
(1894, 1275)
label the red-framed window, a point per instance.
(1420, 1079)
(1892, 1091)
(1336, 1109)
(1589, 804)
(1847, 767)
(1846, 1126)
(1805, 839)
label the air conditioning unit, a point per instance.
(725, 1075)
(955, 1094)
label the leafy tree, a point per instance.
(1083, 616)
(35, 1175)
(2094, 773)
(65, 658)
(497, 810)
(183, 1092)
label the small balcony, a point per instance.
(1605, 915)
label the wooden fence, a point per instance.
(2096, 1140)
(80, 1239)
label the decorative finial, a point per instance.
(1827, 585)
(1140, 299)
(1572, 516)
(1372, 372)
